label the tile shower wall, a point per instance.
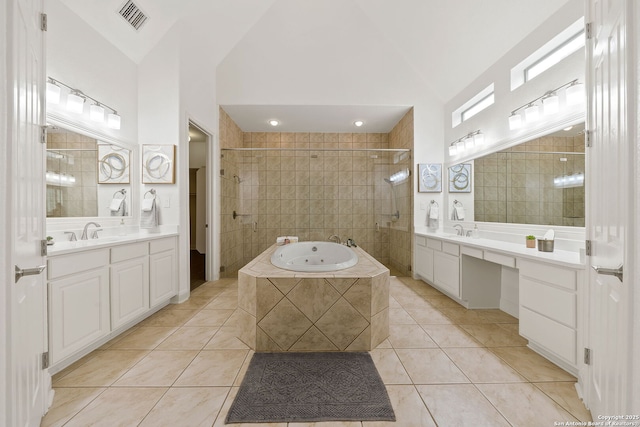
(73, 155)
(516, 185)
(309, 194)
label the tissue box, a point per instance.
(545, 245)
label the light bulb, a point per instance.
(550, 104)
(453, 150)
(515, 121)
(358, 123)
(113, 120)
(478, 138)
(53, 93)
(274, 123)
(575, 94)
(96, 113)
(531, 113)
(469, 143)
(75, 103)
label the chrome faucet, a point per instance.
(460, 231)
(94, 234)
(72, 236)
(336, 237)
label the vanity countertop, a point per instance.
(561, 257)
(67, 247)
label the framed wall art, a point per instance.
(113, 164)
(429, 177)
(460, 178)
(158, 164)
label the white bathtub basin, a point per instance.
(314, 256)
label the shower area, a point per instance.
(313, 191)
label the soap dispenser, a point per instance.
(476, 232)
(122, 230)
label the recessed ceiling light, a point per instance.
(358, 123)
(568, 128)
(274, 122)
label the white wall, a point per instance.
(78, 56)
(493, 122)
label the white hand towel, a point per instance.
(459, 213)
(149, 217)
(280, 241)
(434, 212)
(148, 204)
(115, 205)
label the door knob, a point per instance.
(28, 271)
(609, 271)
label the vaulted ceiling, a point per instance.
(448, 43)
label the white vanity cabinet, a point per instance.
(549, 310)
(446, 268)
(78, 301)
(96, 294)
(438, 263)
(163, 270)
(423, 264)
(129, 282)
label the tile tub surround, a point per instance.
(281, 310)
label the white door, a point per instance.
(29, 383)
(609, 187)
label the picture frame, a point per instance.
(430, 177)
(113, 164)
(158, 164)
(460, 178)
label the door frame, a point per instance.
(211, 261)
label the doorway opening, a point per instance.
(198, 147)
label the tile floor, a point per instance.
(443, 366)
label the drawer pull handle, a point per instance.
(609, 271)
(28, 271)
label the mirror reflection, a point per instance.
(85, 177)
(537, 182)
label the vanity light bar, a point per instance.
(470, 140)
(574, 92)
(76, 100)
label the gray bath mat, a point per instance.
(311, 387)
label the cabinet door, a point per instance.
(163, 276)
(79, 312)
(446, 272)
(424, 263)
(129, 290)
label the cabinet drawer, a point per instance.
(552, 302)
(505, 260)
(434, 244)
(125, 252)
(474, 252)
(421, 240)
(557, 338)
(563, 277)
(64, 265)
(161, 245)
(451, 248)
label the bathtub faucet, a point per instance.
(336, 238)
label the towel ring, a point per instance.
(455, 203)
(123, 192)
(152, 192)
(433, 202)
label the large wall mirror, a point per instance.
(540, 181)
(86, 177)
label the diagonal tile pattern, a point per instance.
(172, 372)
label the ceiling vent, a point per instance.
(133, 15)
